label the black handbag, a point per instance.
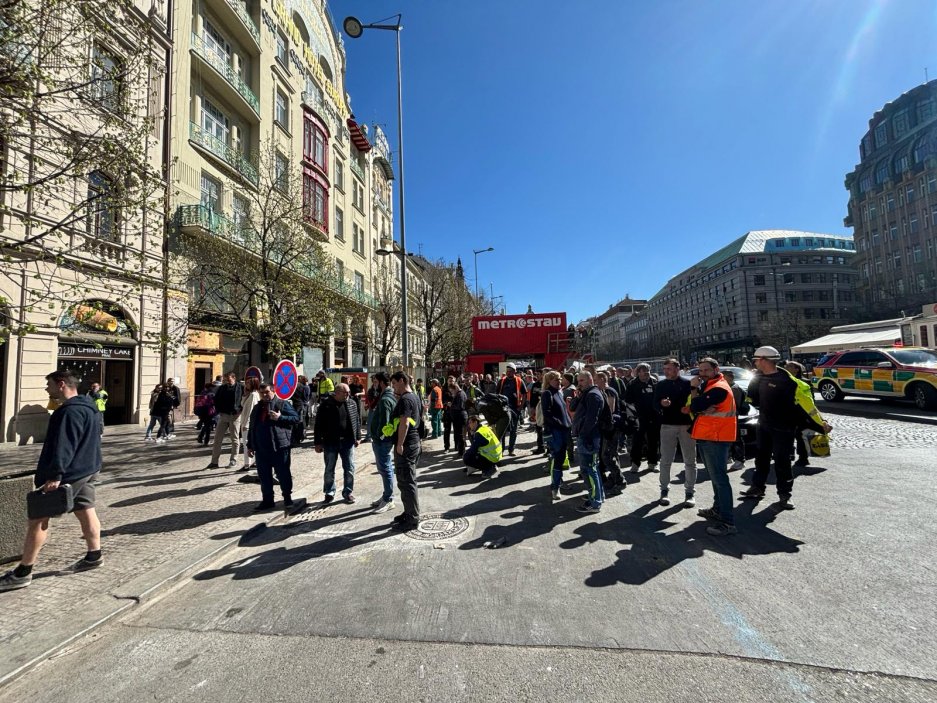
(40, 504)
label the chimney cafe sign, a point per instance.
(89, 351)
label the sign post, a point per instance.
(285, 379)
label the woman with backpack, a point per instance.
(205, 412)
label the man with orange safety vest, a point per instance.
(512, 387)
(435, 407)
(714, 430)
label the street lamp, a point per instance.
(354, 29)
(477, 252)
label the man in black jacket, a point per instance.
(647, 436)
(228, 404)
(70, 454)
(336, 433)
(268, 439)
(670, 397)
(587, 408)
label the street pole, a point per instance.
(477, 252)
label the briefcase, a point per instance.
(52, 504)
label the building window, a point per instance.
(315, 201)
(339, 224)
(890, 201)
(358, 243)
(762, 316)
(909, 194)
(315, 142)
(211, 193)
(926, 110)
(105, 78)
(283, 51)
(901, 123)
(340, 270)
(359, 282)
(216, 43)
(281, 110)
(358, 195)
(916, 254)
(893, 231)
(761, 298)
(931, 183)
(215, 123)
(339, 175)
(912, 224)
(240, 211)
(102, 210)
(881, 135)
(924, 340)
(281, 169)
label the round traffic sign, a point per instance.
(254, 372)
(285, 379)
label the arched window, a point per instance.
(301, 28)
(326, 69)
(902, 162)
(101, 221)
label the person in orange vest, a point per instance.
(714, 429)
(435, 407)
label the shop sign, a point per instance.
(90, 351)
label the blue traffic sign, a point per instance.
(285, 379)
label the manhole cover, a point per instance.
(437, 526)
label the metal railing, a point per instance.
(357, 170)
(379, 199)
(246, 19)
(228, 154)
(225, 69)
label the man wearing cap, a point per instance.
(512, 387)
(784, 403)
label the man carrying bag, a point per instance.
(71, 455)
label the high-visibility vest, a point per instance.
(100, 400)
(517, 382)
(437, 397)
(326, 386)
(717, 423)
(493, 450)
(390, 429)
(803, 396)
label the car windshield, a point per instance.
(740, 373)
(915, 357)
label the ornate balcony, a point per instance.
(231, 156)
(241, 11)
(226, 71)
(357, 170)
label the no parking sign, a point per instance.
(285, 379)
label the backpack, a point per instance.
(205, 405)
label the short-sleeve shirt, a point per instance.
(409, 407)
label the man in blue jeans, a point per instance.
(587, 406)
(382, 446)
(336, 434)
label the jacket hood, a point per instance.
(81, 400)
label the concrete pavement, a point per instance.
(833, 599)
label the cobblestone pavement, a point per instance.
(156, 502)
(854, 431)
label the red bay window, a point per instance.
(315, 142)
(315, 199)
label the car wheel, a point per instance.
(924, 396)
(829, 391)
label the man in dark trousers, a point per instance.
(647, 437)
(176, 394)
(403, 424)
(587, 407)
(228, 399)
(512, 387)
(70, 454)
(268, 440)
(336, 433)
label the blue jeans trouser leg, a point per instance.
(715, 455)
(333, 452)
(383, 457)
(589, 447)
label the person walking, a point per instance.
(784, 403)
(99, 397)
(383, 446)
(162, 410)
(556, 429)
(205, 412)
(173, 390)
(228, 403)
(484, 451)
(336, 434)
(71, 454)
(457, 416)
(742, 408)
(512, 387)
(671, 395)
(251, 398)
(587, 407)
(646, 442)
(714, 429)
(436, 407)
(404, 420)
(534, 390)
(268, 439)
(154, 394)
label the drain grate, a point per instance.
(438, 526)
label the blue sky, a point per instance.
(604, 146)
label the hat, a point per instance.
(511, 365)
(767, 353)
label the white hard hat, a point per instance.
(511, 365)
(767, 353)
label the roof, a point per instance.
(841, 341)
(358, 137)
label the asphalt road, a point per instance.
(833, 600)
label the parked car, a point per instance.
(889, 372)
(742, 376)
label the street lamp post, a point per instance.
(477, 252)
(354, 28)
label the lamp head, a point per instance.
(353, 27)
(383, 252)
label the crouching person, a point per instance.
(485, 449)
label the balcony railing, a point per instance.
(229, 155)
(379, 199)
(357, 170)
(225, 69)
(247, 20)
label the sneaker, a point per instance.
(86, 564)
(405, 525)
(171, 436)
(382, 506)
(232, 464)
(753, 492)
(689, 501)
(589, 507)
(555, 493)
(722, 529)
(160, 440)
(653, 467)
(664, 499)
(709, 513)
(350, 498)
(328, 499)
(262, 506)
(148, 439)
(493, 474)
(403, 517)
(212, 465)
(737, 465)
(10, 581)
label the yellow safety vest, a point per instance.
(390, 429)
(493, 450)
(803, 396)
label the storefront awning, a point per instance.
(840, 341)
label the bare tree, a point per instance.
(386, 314)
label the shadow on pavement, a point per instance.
(173, 522)
(175, 493)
